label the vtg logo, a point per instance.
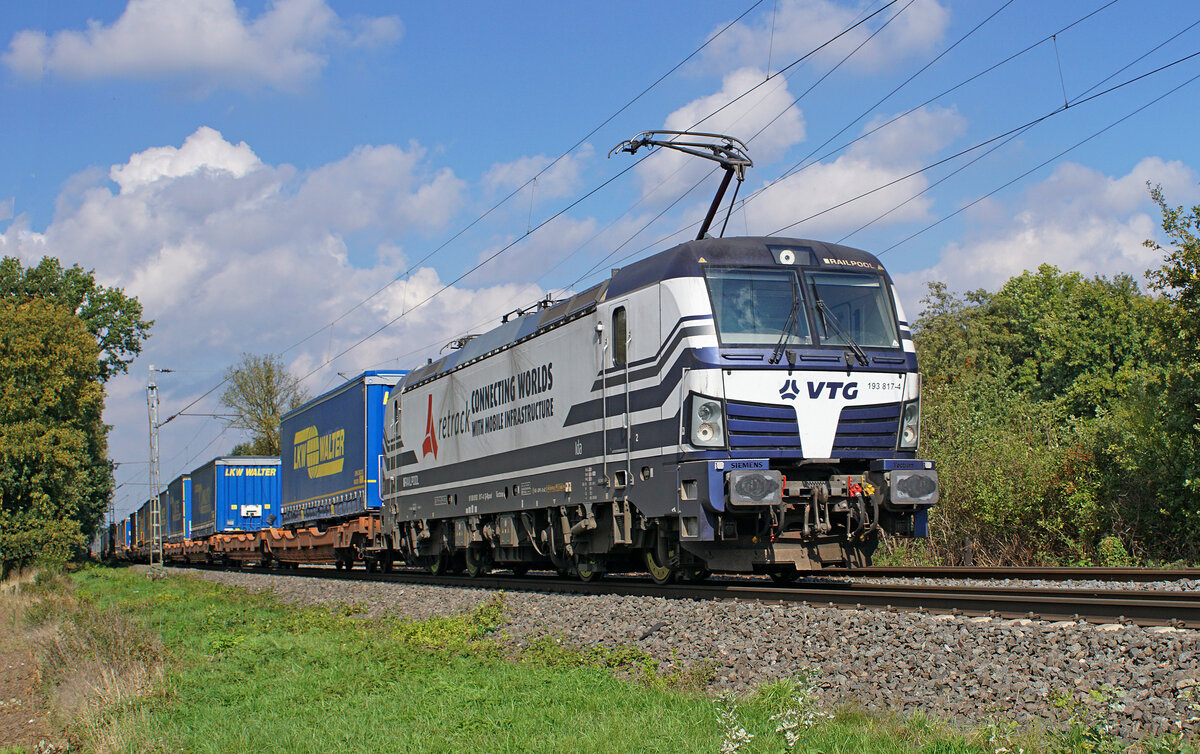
(791, 390)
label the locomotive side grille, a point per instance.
(758, 426)
(866, 431)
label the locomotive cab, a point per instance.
(798, 443)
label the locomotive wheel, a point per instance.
(439, 564)
(659, 573)
(478, 561)
(587, 571)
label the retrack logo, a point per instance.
(430, 444)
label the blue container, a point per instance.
(143, 525)
(125, 533)
(332, 448)
(179, 509)
(235, 493)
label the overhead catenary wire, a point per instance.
(796, 100)
(1045, 162)
(1035, 121)
(496, 206)
(996, 146)
(1007, 134)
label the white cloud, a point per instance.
(884, 157)
(230, 255)
(205, 149)
(794, 28)
(534, 256)
(563, 179)
(1077, 219)
(209, 41)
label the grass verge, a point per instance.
(181, 664)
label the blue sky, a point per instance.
(254, 170)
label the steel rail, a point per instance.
(1041, 573)
(1179, 609)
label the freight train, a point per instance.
(742, 405)
(747, 405)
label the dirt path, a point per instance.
(23, 717)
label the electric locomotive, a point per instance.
(741, 404)
(730, 404)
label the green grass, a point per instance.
(244, 672)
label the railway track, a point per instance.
(1179, 609)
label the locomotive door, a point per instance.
(632, 328)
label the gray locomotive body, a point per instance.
(741, 404)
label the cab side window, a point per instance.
(620, 337)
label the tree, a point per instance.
(1152, 444)
(54, 478)
(113, 319)
(261, 390)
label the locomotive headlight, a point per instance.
(910, 425)
(708, 422)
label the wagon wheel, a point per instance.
(478, 560)
(661, 571)
(694, 574)
(587, 569)
(519, 569)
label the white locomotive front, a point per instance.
(735, 404)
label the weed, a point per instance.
(802, 710)
(462, 634)
(733, 734)
(1090, 726)
(998, 735)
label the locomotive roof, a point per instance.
(684, 260)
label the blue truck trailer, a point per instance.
(234, 493)
(179, 508)
(331, 448)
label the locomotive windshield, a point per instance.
(860, 306)
(752, 306)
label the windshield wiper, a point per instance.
(789, 324)
(828, 317)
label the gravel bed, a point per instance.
(969, 670)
